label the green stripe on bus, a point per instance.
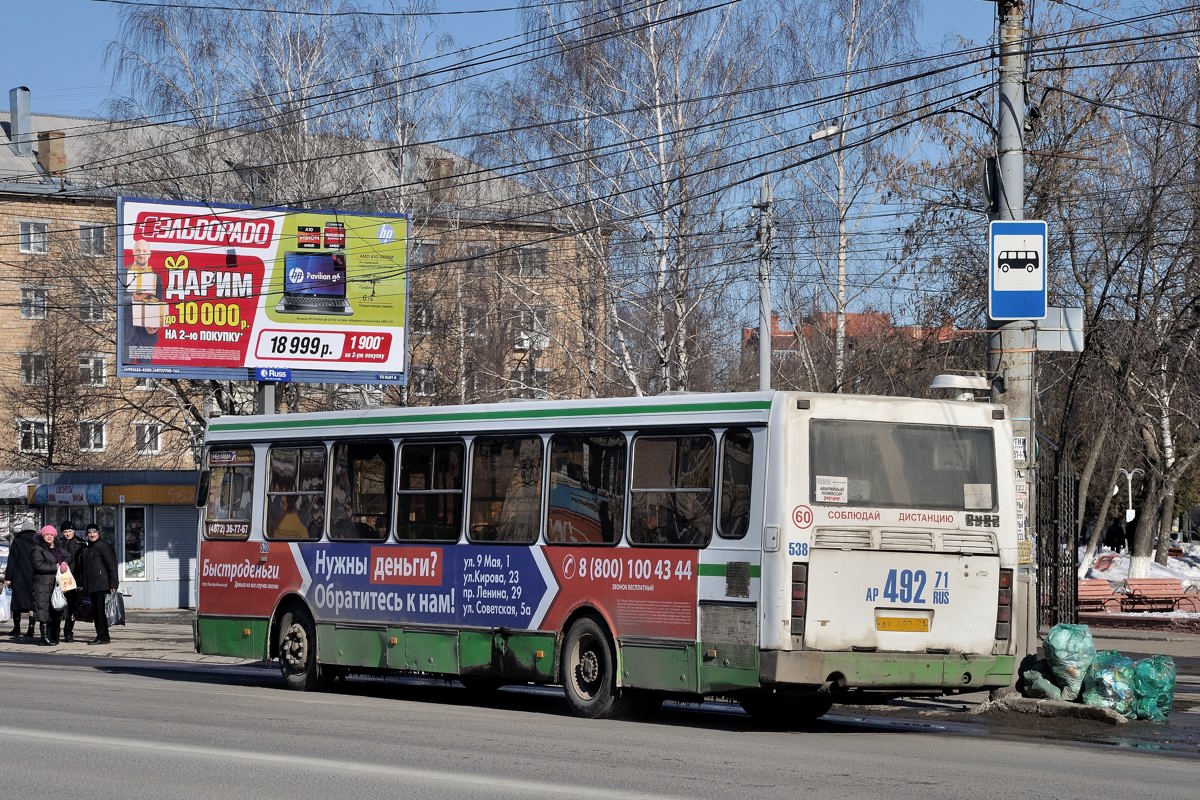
(718, 570)
(480, 416)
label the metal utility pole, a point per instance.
(1011, 346)
(765, 230)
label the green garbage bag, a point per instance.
(1153, 688)
(1036, 683)
(1109, 682)
(1069, 652)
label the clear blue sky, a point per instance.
(56, 47)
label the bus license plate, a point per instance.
(902, 624)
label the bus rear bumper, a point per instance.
(883, 671)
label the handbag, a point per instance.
(114, 609)
(83, 608)
(66, 581)
(57, 599)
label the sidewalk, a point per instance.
(155, 635)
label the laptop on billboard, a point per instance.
(314, 283)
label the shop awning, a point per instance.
(14, 487)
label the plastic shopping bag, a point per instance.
(114, 609)
(58, 600)
(6, 606)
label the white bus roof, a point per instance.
(730, 408)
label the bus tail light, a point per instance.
(799, 597)
(1004, 605)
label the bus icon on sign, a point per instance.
(1018, 259)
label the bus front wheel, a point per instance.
(298, 651)
(589, 670)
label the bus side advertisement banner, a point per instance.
(650, 592)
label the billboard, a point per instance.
(238, 293)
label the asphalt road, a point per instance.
(104, 728)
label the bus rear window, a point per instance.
(897, 465)
(230, 487)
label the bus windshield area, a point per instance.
(898, 465)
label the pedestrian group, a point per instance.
(41, 562)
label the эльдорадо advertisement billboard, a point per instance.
(225, 292)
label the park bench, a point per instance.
(1158, 594)
(1096, 594)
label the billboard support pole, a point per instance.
(266, 397)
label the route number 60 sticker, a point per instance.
(802, 517)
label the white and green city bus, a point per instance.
(788, 550)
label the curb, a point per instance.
(1051, 708)
(1189, 625)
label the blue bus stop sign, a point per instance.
(1017, 270)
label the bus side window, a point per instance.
(737, 469)
(361, 500)
(506, 489)
(672, 490)
(296, 497)
(587, 489)
(429, 498)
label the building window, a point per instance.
(527, 262)
(530, 384)
(147, 437)
(145, 384)
(477, 260)
(91, 239)
(422, 381)
(34, 237)
(91, 309)
(91, 370)
(33, 369)
(34, 436)
(420, 254)
(422, 315)
(530, 330)
(34, 300)
(91, 435)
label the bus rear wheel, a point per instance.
(589, 670)
(298, 651)
(782, 711)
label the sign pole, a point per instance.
(1011, 345)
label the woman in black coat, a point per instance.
(47, 558)
(18, 575)
(97, 575)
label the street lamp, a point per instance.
(1128, 473)
(766, 231)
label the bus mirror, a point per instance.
(202, 489)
